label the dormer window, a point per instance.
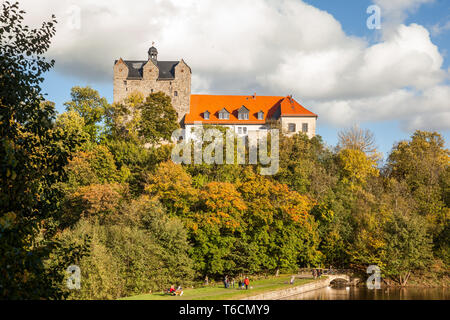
(224, 114)
(206, 115)
(243, 113)
(260, 115)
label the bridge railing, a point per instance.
(303, 272)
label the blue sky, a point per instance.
(72, 69)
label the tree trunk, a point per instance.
(405, 279)
(277, 272)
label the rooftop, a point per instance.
(272, 106)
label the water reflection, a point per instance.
(362, 293)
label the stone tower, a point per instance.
(150, 76)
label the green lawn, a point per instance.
(220, 293)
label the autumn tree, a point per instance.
(173, 187)
(423, 162)
(279, 224)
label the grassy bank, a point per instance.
(220, 293)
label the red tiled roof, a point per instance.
(270, 105)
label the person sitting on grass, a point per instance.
(171, 290)
(179, 291)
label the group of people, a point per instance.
(241, 284)
(316, 273)
(175, 292)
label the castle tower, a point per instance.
(150, 76)
(153, 54)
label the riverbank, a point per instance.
(258, 287)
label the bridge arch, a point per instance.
(338, 277)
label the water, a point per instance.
(362, 293)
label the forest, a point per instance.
(94, 186)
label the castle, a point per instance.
(151, 75)
(244, 114)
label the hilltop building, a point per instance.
(244, 114)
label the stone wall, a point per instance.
(179, 88)
(280, 294)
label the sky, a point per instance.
(392, 79)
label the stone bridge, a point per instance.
(346, 275)
(342, 277)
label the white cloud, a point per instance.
(395, 11)
(271, 47)
(439, 28)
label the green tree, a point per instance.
(32, 158)
(158, 118)
(407, 249)
(136, 249)
(90, 106)
(72, 126)
(423, 163)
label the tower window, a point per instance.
(151, 91)
(206, 115)
(291, 127)
(175, 93)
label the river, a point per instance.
(362, 293)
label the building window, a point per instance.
(175, 93)
(291, 127)
(151, 91)
(260, 115)
(206, 115)
(125, 82)
(304, 127)
(243, 113)
(243, 116)
(240, 130)
(244, 130)
(224, 114)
